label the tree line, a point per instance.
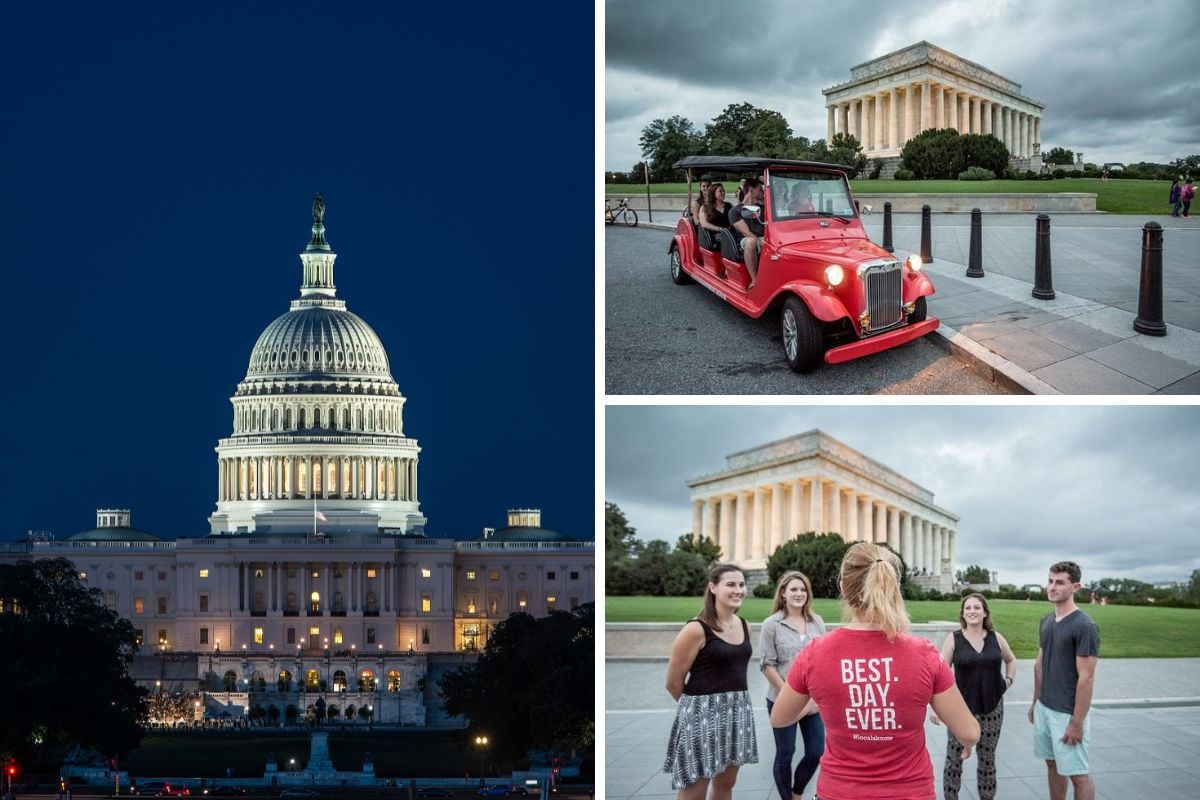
(742, 129)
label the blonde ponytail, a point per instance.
(870, 579)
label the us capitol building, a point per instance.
(316, 580)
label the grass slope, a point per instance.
(1114, 196)
(1125, 631)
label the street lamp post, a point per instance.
(646, 172)
(481, 742)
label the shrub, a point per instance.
(904, 175)
(976, 174)
(1059, 173)
(1045, 176)
(934, 154)
(1075, 173)
(876, 168)
(764, 590)
(1030, 175)
(983, 150)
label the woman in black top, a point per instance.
(714, 214)
(713, 734)
(976, 653)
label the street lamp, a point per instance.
(481, 742)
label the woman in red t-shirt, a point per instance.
(873, 682)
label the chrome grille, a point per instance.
(884, 295)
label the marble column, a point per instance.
(893, 530)
(906, 537)
(926, 107)
(1024, 136)
(940, 117)
(910, 129)
(976, 115)
(926, 545)
(893, 117)
(742, 536)
(953, 550)
(725, 531)
(835, 509)
(852, 119)
(829, 124)
(758, 545)
(881, 523)
(851, 532)
(816, 509)
(877, 140)
(710, 519)
(697, 519)
(986, 115)
(1037, 129)
(776, 518)
(952, 110)
(843, 121)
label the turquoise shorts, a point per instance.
(1049, 726)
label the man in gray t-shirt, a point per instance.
(1063, 679)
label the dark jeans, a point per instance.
(813, 732)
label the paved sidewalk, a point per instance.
(1145, 735)
(1081, 342)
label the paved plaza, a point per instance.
(1145, 735)
(1082, 341)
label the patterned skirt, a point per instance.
(711, 733)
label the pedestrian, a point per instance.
(791, 627)
(872, 682)
(713, 733)
(1064, 675)
(1186, 194)
(976, 652)
(1174, 199)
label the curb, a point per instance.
(987, 364)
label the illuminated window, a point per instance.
(494, 575)
(314, 602)
(204, 573)
(426, 602)
(337, 635)
(258, 573)
(550, 602)
(366, 681)
(162, 635)
(258, 635)
(339, 681)
(493, 605)
(470, 575)
(393, 678)
(139, 636)
(471, 606)
(312, 680)
(425, 573)
(316, 573)
(522, 599)
(314, 632)
(139, 605)
(83, 576)
(370, 573)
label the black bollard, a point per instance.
(975, 259)
(1043, 285)
(887, 227)
(926, 247)
(1150, 295)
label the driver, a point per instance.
(746, 222)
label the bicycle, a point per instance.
(622, 212)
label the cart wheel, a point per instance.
(919, 313)
(802, 345)
(680, 277)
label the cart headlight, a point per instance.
(834, 275)
(914, 263)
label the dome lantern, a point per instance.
(318, 259)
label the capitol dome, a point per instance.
(318, 444)
(316, 340)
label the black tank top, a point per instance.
(719, 666)
(978, 674)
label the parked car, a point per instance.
(838, 295)
(502, 791)
(161, 789)
(300, 793)
(227, 791)
(434, 791)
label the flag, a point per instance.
(318, 515)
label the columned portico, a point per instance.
(954, 93)
(770, 494)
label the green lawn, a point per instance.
(1125, 631)
(415, 753)
(1114, 196)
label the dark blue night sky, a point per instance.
(159, 162)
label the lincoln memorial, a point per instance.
(812, 482)
(891, 99)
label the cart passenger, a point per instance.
(701, 198)
(746, 220)
(714, 214)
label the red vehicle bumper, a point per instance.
(877, 344)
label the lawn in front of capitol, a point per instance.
(1125, 631)
(416, 753)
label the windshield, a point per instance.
(796, 195)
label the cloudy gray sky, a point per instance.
(1112, 487)
(1119, 79)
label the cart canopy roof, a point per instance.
(754, 164)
